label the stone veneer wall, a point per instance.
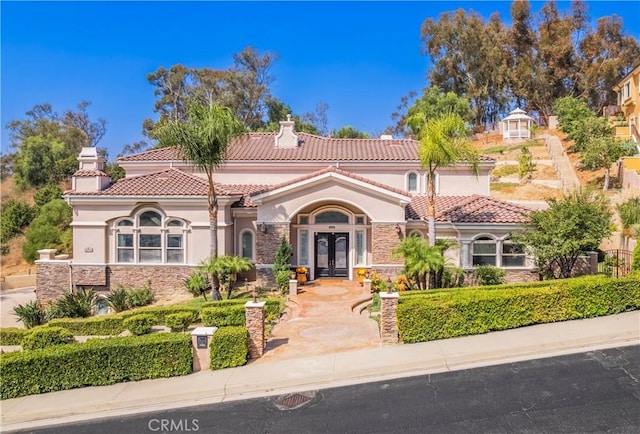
(266, 247)
(385, 238)
(53, 277)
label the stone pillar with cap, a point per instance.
(254, 317)
(388, 319)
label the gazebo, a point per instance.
(517, 125)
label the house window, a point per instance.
(246, 243)
(303, 219)
(332, 217)
(304, 248)
(360, 220)
(513, 254)
(102, 306)
(361, 248)
(150, 238)
(484, 251)
(626, 90)
(412, 182)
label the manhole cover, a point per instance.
(293, 401)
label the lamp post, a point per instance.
(389, 285)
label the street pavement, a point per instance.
(10, 298)
(321, 365)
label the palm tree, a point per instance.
(226, 269)
(443, 142)
(420, 259)
(203, 138)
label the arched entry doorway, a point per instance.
(331, 240)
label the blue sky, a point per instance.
(358, 57)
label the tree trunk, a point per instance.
(606, 179)
(431, 219)
(212, 201)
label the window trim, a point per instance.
(408, 182)
(487, 240)
(253, 244)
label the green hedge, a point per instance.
(222, 316)
(140, 324)
(160, 312)
(179, 322)
(472, 311)
(446, 291)
(12, 335)
(104, 325)
(229, 347)
(97, 362)
(43, 337)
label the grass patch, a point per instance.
(505, 187)
(500, 149)
(505, 170)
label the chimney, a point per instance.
(287, 137)
(386, 137)
(90, 176)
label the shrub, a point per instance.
(12, 335)
(273, 306)
(197, 284)
(140, 297)
(635, 261)
(180, 321)
(104, 325)
(281, 264)
(46, 194)
(446, 314)
(161, 312)
(15, 216)
(95, 363)
(140, 324)
(118, 300)
(221, 316)
(229, 347)
(490, 275)
(31, 314)
(44, 337)
(77, 304)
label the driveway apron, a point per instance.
(321, 319)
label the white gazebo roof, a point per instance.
(517, 114)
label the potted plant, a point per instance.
(302, 275)
(362, 274)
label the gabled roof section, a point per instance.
(329, 172)
(261, 147)
(468, 209)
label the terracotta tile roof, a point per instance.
(333, 169)
(468, 209)
(171, 182)
(261, 147)
(160, 154)
(85, 173)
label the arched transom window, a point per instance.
(149, 237)
(332, 216)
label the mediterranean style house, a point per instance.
(343, 204)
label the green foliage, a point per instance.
(140, 324)
(570, 110)
(114, 171)
(226, 269)
(31, 314)
(104, 325)
(229, 347)
(97, 362)
(569, 228)
(504, 170)
(273, 306)
(490, 275)
(44, 337)
(161, 312)
(602, 152)
(432, 104)
(77, 304)
(349, 132)
(49, 230)
(14, 216)
(378, 284)
(282, 263)
(420, 259)
(526, 166)
(118, 300)
(46, 194)
(445, 314)
(635, 260)
(42, 160)
(138, 297)
(629, 212)
(197, 284)
(12, 335)
(222, 316)
(179, 322)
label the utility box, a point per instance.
(200, 341)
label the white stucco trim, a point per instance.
(88, 224)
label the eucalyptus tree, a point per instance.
(443, 142)
(203, 137)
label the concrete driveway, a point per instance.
(9, 298)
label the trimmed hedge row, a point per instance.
(106, 325)
(97, 362)
(140, 324)
(13, 335)
(474, 311)
(229, 347)
(223, 316)
(160, 312)
(439, 292)
(272, 306)
(43, 337)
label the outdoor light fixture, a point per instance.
(389, 285)
(398, 229)
(263, 228)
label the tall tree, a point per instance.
(203, 137)
(570, 227)
(349, 132)
(430, 105)
(443, 143)
(602, 152)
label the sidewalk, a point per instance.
(322, 371)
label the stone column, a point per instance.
(366, 284)
(293, 287)
(201, 342)
(388, 320)
(254, 315)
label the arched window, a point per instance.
(412, 182)
(484, 251)
(332, 217)
(102, 306)
(151, 239)
(246, 244)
